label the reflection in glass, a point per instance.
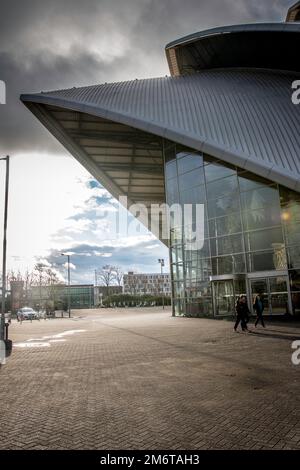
(260, 198)
(223, 206)
(172, 191)
(215, 171)
(224, 298)
(228, 265)
(295, 280)
(171, 169)
(189, 162)
(294, 257)
(248, 181)
(191, 179)
(253, 225)
(263, 217)
(263, 239)
(193, 195)
(220, 188)
(292, 233)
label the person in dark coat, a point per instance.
(258, 306)
(242, 313)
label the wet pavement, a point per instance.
(138, 378)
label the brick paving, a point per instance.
(139, 378)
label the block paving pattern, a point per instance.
(140, 379)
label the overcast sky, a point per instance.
(45, 45)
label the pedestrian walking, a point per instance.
(258, 306)
(242, 313)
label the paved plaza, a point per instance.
(140, 379)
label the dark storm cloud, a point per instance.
(55, 44)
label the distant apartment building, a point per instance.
(147, 284)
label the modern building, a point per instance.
(222, 131)
(147, 284)
(81, 296)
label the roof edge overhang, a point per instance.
(177, 49)
(244, 161)
(293, 13)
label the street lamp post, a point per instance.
(69, 283)
(2, 332)
(162, 263)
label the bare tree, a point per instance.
(40, 279)
(107, 276)
(53, 285)
(118, 273)
(28, 281)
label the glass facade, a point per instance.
(251, 231)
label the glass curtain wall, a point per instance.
(251, 225)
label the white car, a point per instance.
(27, 313)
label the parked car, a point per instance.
(27, 313)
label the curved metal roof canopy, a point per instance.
(293, 13)
(263, 45)
(115, 130)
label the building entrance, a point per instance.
(275, 294)
(225, 294)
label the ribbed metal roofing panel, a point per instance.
(245, 117)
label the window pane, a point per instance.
(278, 284)
(193, 195)
(263, 239)
(172, 191)
(171, 169)
(291, 212)
(201, 253)
(260, 198)
(191, 179)
(191, 231)
(215, 171)
(176, 254)
(223, 206)
(266, 260)
(228, 265)
(294, 256)
(248, 181)
(264, 217)
(222, 187)
(177, 270)
(178, 289)
(231, 244)
(189, 162)
(175, 235)
(179, 307)
(295, 279)
(229, 224)
(292, 234)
